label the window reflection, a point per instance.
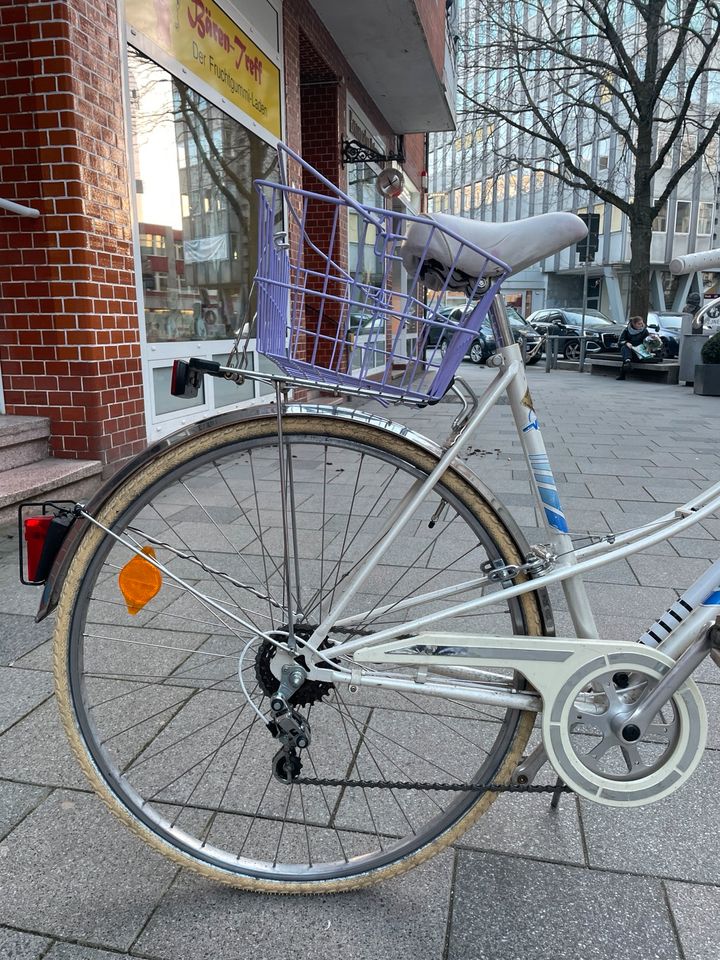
(365, 324)
(196, 207)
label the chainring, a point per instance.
(583, 747)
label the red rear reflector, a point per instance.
(36, 529)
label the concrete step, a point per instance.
(47, 479)
(23, 440)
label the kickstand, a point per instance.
(557, 793)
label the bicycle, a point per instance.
(301, 648)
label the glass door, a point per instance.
(196, 211)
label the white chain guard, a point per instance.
(559, 668)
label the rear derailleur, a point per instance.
(288, 726)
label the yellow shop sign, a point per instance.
(204, 39)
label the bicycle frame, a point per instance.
(698, 606)
(696, 609)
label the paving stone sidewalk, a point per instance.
(585, 882)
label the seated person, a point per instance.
(635, 333)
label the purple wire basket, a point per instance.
(351, 296)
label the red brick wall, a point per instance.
(321, 126)
(317, 81)
(432, 17)
(414, 156)
(70, 345)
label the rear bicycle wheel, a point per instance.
(153, 702)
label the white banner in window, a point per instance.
(206, 248)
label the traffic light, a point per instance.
(588, 246)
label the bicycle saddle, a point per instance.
(518, 244)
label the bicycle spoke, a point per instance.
(365, 743)
(175, 698)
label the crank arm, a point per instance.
(635, 724)
(526, 771)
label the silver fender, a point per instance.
(56, 578)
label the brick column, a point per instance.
(70, 347)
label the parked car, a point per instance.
(524, 333)
(567, 321)
(483, 344)
(667, 325)
(363, 322)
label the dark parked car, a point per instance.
(567, 322)
(667, 325)
(483, 344)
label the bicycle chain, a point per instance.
(457, 787)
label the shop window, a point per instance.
(682, 216)
(688, 146)
(660, 221)
(661, 142)
(199, 208)
(164, 401)
(599, 209)
(603, 156)
(366, 326)
(705, 219)
(586, 153)
(226, 392)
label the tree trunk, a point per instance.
(640, 239)
(641, 217)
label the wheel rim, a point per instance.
(162, 719)
(476, 353)
(572, 351)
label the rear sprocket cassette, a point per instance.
(310, 692)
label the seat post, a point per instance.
(500, 323)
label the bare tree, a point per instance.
(557, 75)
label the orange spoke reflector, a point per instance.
(139, 581)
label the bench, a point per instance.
(666, 371)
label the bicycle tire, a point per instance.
(83, 721)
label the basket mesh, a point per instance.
(377, 324)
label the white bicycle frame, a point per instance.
(537, 658)
(696, 609)
(560, 670)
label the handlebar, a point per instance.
(709, 260)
